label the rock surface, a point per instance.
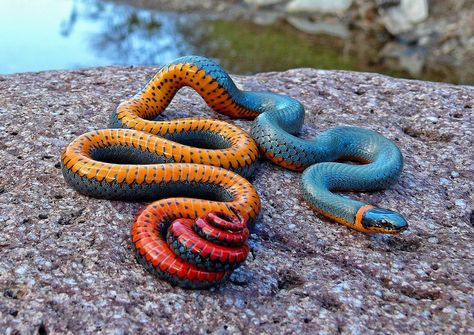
(66, 261)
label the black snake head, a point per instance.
(383, 220)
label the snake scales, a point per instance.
(195, 234)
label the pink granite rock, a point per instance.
(66, 261)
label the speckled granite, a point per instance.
(66, 261)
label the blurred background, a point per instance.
(421, 39)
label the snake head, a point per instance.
(381, 220)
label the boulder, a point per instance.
(402, 18)
(66, 260)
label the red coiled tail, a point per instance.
(191, 253)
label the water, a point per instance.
(66, 34)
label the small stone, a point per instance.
(444, 181)
(337, 29)
(415, 10)
(460, 203)
(318, 6)
(454, 174)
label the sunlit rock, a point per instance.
(66, 260)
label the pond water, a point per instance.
(66, 34)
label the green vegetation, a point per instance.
(246, 48)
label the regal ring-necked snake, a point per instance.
(196, 234)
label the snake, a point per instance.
(194, 170)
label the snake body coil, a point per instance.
(196, 241)
(201, 159)
(381, 163)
